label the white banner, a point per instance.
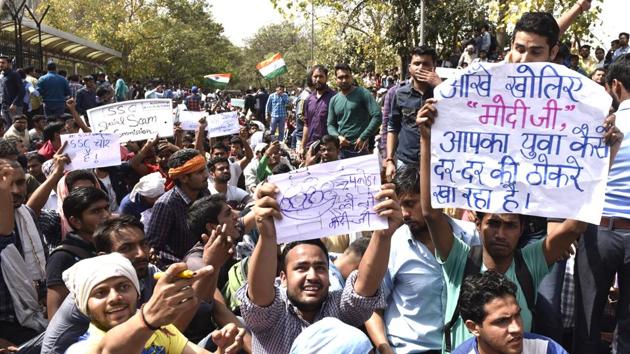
(223, 124)
(91, 150)
(134, 120)
(520, 138)
(189, 120)
(329, 199)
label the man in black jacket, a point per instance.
(11, 91)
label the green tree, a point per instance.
(176, 40)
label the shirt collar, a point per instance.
(182, 195)
(623, 106)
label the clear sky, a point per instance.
(615, 19)
(242, 18)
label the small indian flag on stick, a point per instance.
(272, 67)
(220, 80)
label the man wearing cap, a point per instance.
(11, 91)
(167, 231)
(109, 296)
(193, 101)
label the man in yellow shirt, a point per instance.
(106, 289)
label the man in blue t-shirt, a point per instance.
(488, 306)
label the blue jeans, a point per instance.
(601, 253)
(277, 122)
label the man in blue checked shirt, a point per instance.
(276, 110)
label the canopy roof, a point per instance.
(63, 43)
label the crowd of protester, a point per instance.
(175, 250)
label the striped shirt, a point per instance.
(275, 327)
(168, 231)
(617, 201)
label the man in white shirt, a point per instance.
(219, 183)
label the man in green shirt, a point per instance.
(353, 115)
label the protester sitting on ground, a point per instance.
(52, 139)
(106, 289)
(19, 130)
(85, 208)
(276, 318)
(125, 235)
(324, 150)
(219, 182)
(488, 305)
(251, 179)
(22, 284)
(269, 160)
(167, 230)
(236, 166)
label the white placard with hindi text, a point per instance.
(91, 150)
(222, 124)
(134, 120)
(520, 138)
(329, 199)
(189, 120)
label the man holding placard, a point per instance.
(276, 318)
(535, 39)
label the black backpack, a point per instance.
(473, 266)
(76, 251)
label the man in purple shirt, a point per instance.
(316, 108)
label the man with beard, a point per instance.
(277, 314)
(413, 283)
(23, 252)
(84, 209)
(353, 115)
(125, 235)
(18, 130)
(535, 39)
(167, 231)
(316, 108)
(219, 182)
(106, 289)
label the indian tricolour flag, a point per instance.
(220, 80)
(272, 67)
